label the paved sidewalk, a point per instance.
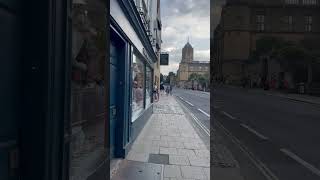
(169, 148)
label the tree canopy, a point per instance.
(286, 52)
(201, 79)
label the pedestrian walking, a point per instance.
(170, 89)
(155, 92)
(161, 89)
(167, 90)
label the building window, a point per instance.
(148, 86)
(239, 20)
(308, 23)
(260, 21)
(309, 2)
(138, 72)
(292, 1)
(191, 68)
(289, 22)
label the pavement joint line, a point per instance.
(228, 115)
(204, 112)
(197, 121)
(254, 132)
(301, 161)
(260, 165)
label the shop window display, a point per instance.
(87, 144)
(148, 86)
(138, 79)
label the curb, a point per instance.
(293, 99)
(277, 95)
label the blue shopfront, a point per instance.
(131, 76)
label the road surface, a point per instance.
(283, 134)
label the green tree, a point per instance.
(193, 77)
(293, 57)
(203, 80)
(171, 76)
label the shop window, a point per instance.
(88, 118)
(138, 80)
(148, 86)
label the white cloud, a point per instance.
(170, 49)
(182, 19)
(202, 55)
(172, 67)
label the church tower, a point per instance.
(187, 53)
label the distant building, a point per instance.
(189, 66)
(243, 22)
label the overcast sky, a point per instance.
(180, 19)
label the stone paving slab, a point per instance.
(193, 172)
(169, 132)
(138, 171)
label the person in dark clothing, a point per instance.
(161, 88)
(167, 90)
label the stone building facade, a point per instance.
(189, 66)
(243, 22)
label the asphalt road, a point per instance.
(283, 134)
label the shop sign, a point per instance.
(164, 59)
